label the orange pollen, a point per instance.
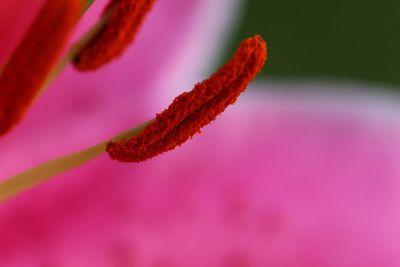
(33, 59)
(120, 30)
(191, 111)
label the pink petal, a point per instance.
(282, 179)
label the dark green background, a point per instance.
(337, 39)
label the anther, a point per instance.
(32, 61)
(191, 111)
(126, 17)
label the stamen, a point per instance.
(126, 17)
(191, 111)
(181, 120)
(32, 61)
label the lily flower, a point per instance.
(283, 179)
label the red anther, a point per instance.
(32, 61)
(120, 30)
(192, 110)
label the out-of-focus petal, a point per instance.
(284, 179)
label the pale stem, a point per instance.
(16, 184)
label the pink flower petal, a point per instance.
(293, 179)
